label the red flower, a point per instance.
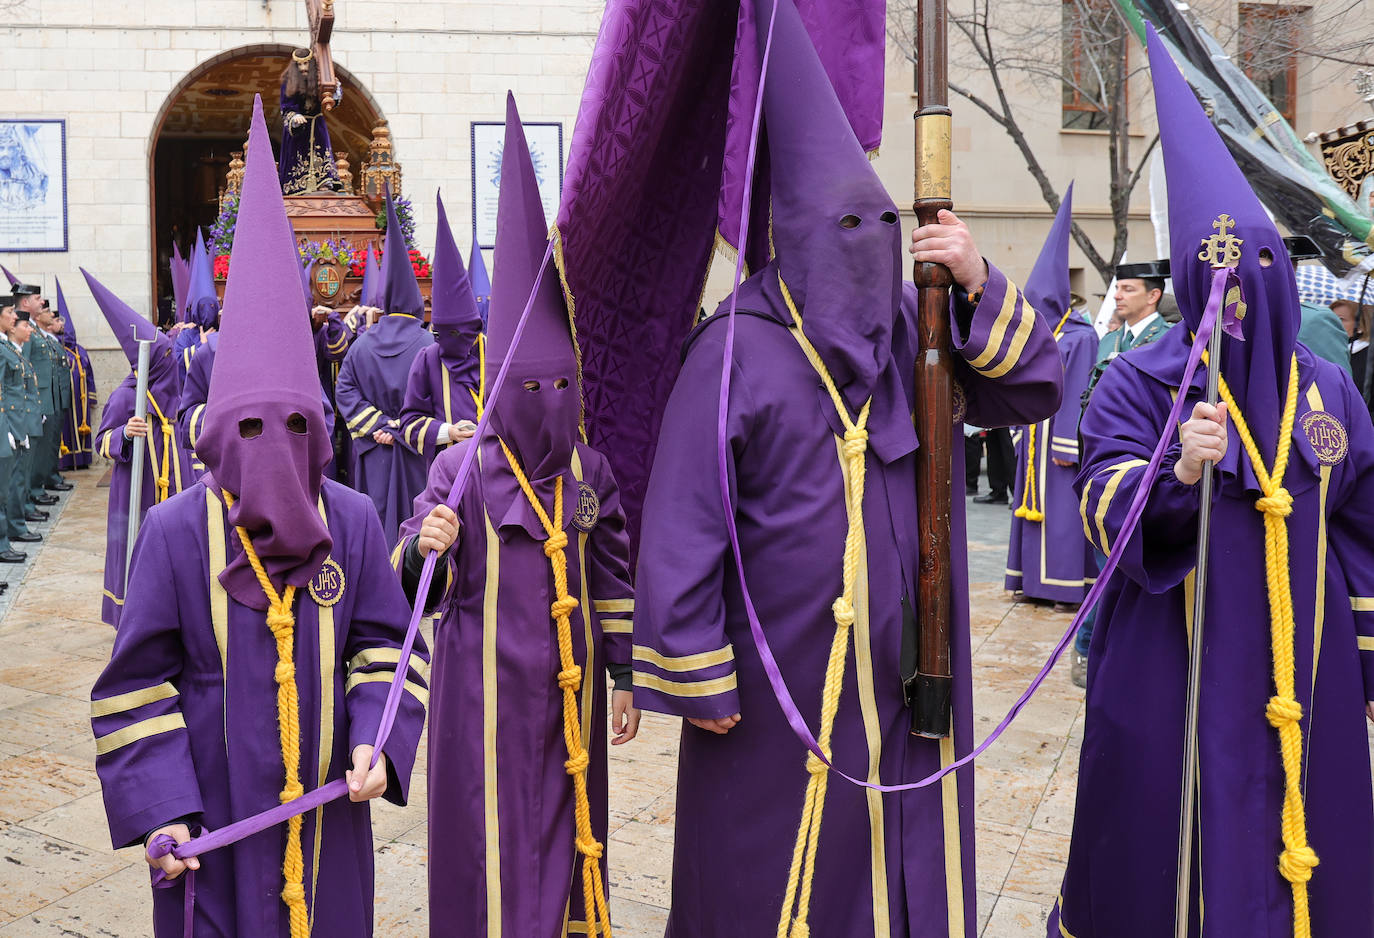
(221, 270)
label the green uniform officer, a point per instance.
(7, 450)
(46, 355)
(19, 393)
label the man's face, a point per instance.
(44, 318)
(7, 320)
(30, 303)
(22, 331)
(1134, 301)
(1346, 312)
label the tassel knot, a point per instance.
(556, 542)
(569, 678)
(562, 607)
(1297, 864)
(1278, 503)
(1283, 710)
(589, 847)
(576, 765)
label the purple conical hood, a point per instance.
(14, 281)
(68, 327)
(1047, 287)
(835, 230)
(202, 303)
(181, 277)
(164, 381)
(400, 289)
(304, 267)
(539, 425)
(453, 309)
(481, 283)
(265, 439)
(121, 316)
(1204, 184)
(370, 294)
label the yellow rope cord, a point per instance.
(802, 872)
(164, 471)
(282, 623)
(1297, 860)
(1030, 508)
(570, 679)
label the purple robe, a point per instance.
(1122, 857)
(1052, 559)
(76, 426)
(185, 346)
(370, 394)
(185, 715)
(162, 452)
(501, 804)
(437, 394)
(307, 158)
(906, 860)
(332, 339)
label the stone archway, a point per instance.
(204, 118)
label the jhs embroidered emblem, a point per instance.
(1327, 437)
(327, 587)
(588, 508)
(960, 403)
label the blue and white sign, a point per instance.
(546, 152)
(33, 185)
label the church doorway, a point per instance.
(204, 120)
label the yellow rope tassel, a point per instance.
(282, 623)
(1284, 713)
(569, 680)
(802, 872)
(1030, 508)
(164, 471)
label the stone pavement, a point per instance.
(60, 876)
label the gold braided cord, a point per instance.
(803, 869)
(1283, 711)
(164, 471)
(282, 623)
(1030, 508)
(569, 680)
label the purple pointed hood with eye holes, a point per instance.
(265, 439)
(835, 229)
(400, 289)
(538, 409)
(202, 303)
(453, 308)
(1204, 184)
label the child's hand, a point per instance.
(438, 532)
(364, 784)
(624, 717)
(172, 867)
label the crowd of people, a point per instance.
(47, 393)
(263, 646)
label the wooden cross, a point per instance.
(321, 14)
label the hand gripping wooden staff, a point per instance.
(1204, 535)
(934, 418)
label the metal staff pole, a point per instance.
(1204, 535)
(932, 682)
(136, 465)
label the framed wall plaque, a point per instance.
(546, 151)
(33, 185)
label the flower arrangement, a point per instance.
(419, 262)
(358, 266)
(222, 267)
(405, 215)
(337, 251)
(222, 231)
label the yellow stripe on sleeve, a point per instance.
(704, 659)
(104, 745)
(617, 626)
(1362, 603)
(1018, 341)
(132, 699)
(686, 688)
(613, 605)
(999, 329)
(360, 416)
(385, 677)
(1365, 642)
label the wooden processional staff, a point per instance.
(930, 693)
